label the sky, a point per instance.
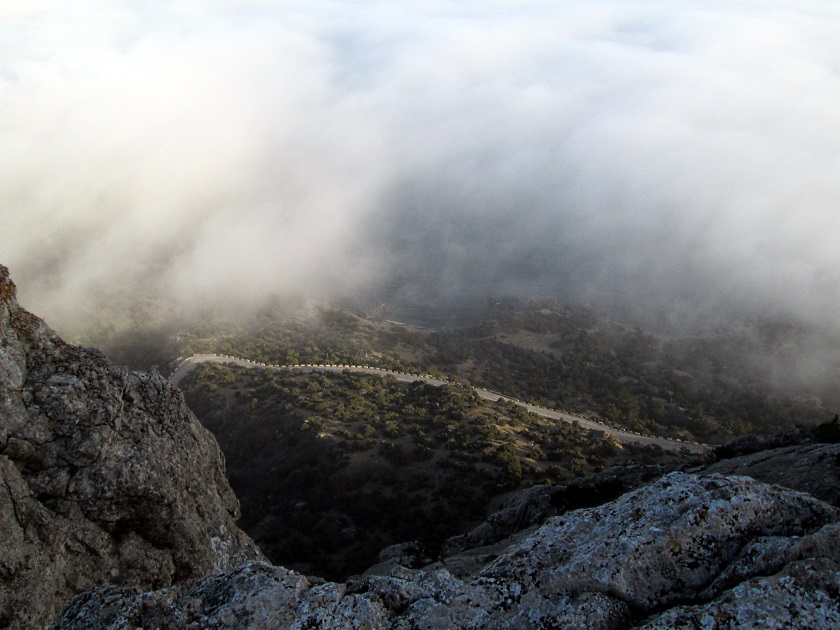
(643, 155)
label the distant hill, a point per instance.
(706, 386)
(703, 382)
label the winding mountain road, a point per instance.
(628, 437)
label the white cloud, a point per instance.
(608, 149)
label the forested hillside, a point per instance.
(331, 468)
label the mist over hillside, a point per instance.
(672, 162)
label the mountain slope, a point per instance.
(109, 484)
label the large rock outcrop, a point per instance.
(809, 467)
(532, 506)
(686, 550)
(105, 476)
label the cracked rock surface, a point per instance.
(684, 551)
(812, 468)
(105, 476)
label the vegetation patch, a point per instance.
(331, 468)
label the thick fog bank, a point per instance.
(678, 156)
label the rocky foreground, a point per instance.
(684, 551)
(112, 491)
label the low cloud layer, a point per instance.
(631, 153)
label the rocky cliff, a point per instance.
(105, 476)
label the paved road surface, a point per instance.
(189, 364)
